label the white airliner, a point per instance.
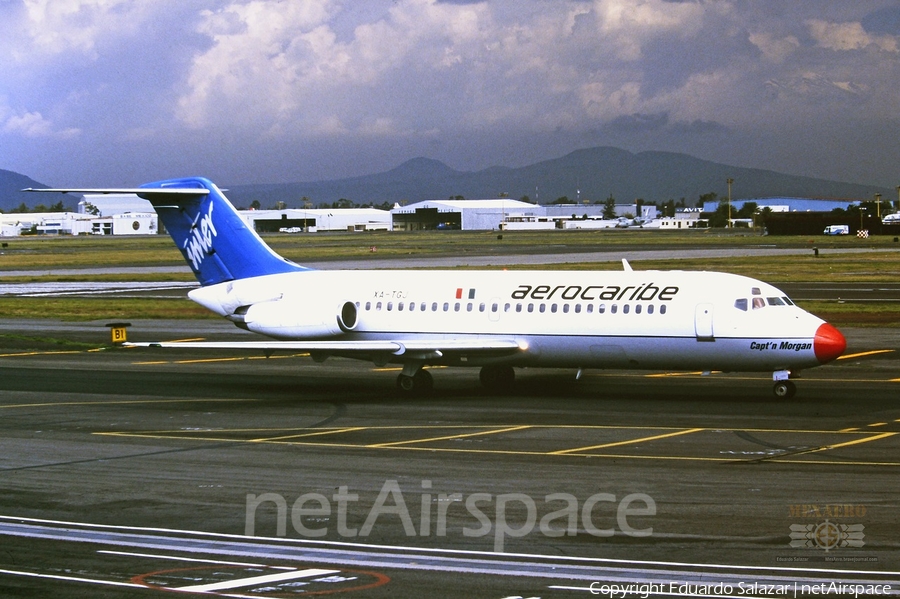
(498, 320)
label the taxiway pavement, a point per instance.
(125, 471)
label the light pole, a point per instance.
(878, 204)
(729, 181)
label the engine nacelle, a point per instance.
(284, 319)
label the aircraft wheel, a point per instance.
(497, 378)
(785, 389)
(421, 382)
(406, 383)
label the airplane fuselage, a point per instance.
(596, 319)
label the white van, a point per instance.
(837, 230)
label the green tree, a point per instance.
(609, 208)
(719, 218)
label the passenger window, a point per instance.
(531, 307)
(590, 308)
(577, 308)
(400, 306)
(741, 304)
(601, 308)
(565, 308)
(368, 306)
(613, 309)
(495, 307)
(662, 309)
(390, 306)
(625, 309)
(446, 306)
(553, 308)
(650, 309)
(637, 309)
(481, 307)
(518, 307)
(378, 306)
(456, 307)
(469, 307)
(542, 308)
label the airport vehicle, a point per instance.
(837, 230)
(496, 320)
(891, 219)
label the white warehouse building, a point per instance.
(468, 215)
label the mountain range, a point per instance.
(590, 174)
(583, 175)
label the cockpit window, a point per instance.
(758, 303)
(741, 304)
(788, 301)
(775, 301)
(755, 291)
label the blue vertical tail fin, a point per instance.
(216, 242)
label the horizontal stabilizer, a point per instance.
(141, 191)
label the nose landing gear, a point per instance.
(784, 388)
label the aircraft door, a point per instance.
(703, 322)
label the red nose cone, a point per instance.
(828, 343)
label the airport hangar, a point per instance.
(488, 215)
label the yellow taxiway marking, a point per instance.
(856, 441)
(50, 404)
(205, 360)
(303, 438)
(448, 437)
(43, 353)
(668, 374)
(305, 435)
(210, 360)
(627, 442)
(834, 446)
(865, 353)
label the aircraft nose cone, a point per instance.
(828, 343)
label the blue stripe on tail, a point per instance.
(215, 241)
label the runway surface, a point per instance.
(131, 473)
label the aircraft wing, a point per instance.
(412, 348)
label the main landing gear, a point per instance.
(419, 383)
(496, 379)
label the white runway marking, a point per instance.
(255, 580)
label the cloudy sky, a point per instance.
(120, 92)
